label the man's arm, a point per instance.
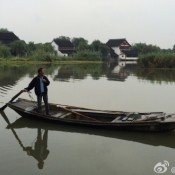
(31, 85)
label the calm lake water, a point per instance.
(33, 147)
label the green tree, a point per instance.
(31, 47)
(4, 30)
(19, 48)
(48, 48)
(4, 51)
(80, 44)
(143, 48)
(104, 49)
(98, 46)
(95, 45)
(43, 52)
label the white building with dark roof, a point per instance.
(63, 47)
(122, 49)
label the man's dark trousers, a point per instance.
(45, 99)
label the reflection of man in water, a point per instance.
(40, 151)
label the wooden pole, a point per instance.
(66, 109)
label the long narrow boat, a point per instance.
(117, 120)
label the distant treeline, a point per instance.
(19, 50)
(45, 52)
(151, 56)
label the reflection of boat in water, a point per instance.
(38, 150)
(153, 139)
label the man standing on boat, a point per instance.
(40, 83)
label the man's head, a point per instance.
(41, 71)
(41, 164)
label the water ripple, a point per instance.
(4, 90)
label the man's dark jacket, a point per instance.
(35, 83)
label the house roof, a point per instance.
(62, 43)
(7, 37)
(116, 42)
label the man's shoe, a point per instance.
(36, 110)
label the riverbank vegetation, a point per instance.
(19, 50)
(157, 60)
(151, 56)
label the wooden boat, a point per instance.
(118, 120)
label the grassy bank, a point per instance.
(41, 56)
(20, 60)
(157, 60)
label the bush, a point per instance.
(4, 51)
(19, 48)
(143, 48)
(41, 55)
(157, 60)
(87, 55)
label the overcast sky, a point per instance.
(149, 21)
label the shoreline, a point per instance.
(47, 62)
